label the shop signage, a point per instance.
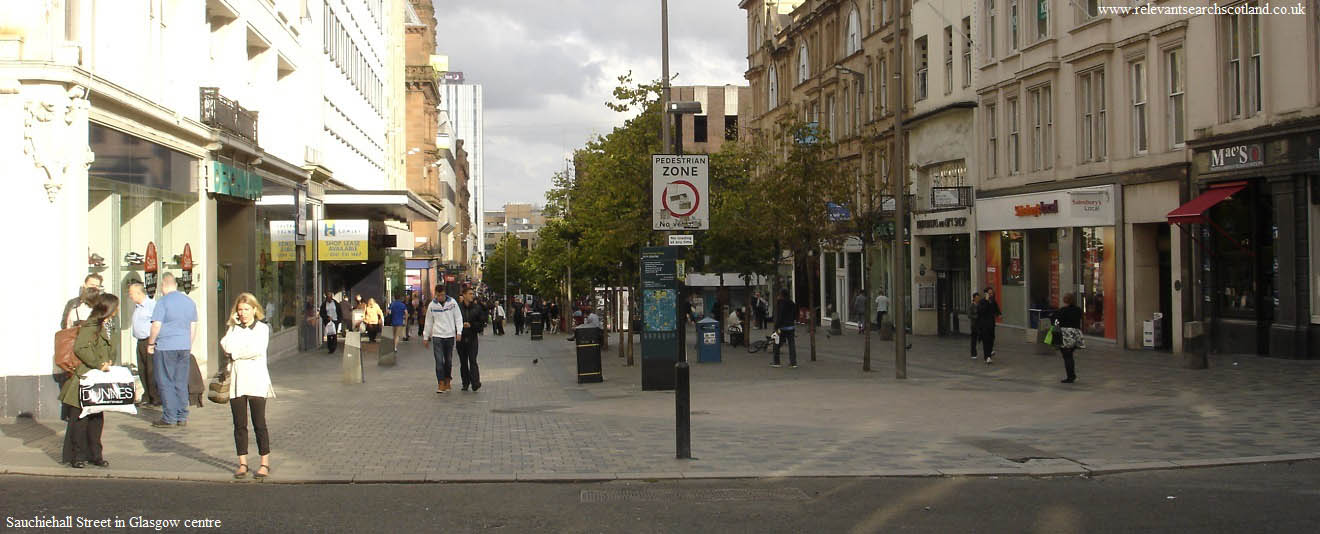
(947, 197)
(342, 240)
(838, 212)
(186, 265)
(680, 189)
(1237, 157)
(282, 246)
(234, 181)
(149, 268)
(947, 222)
(1037, 209)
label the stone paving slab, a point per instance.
(531, 421)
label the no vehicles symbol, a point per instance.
(680, 187)
(681, 198)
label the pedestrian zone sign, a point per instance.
(680, 186)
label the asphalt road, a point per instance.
(1258, 498)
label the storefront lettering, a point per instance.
(1037, 209)
(1087, 204)
(1236, 157)
(947, 222)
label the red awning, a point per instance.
(1194, 211)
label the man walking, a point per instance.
(330, 314)
(498, 329)
(785, 313)
(859, 310)
(986, 313)
(173, 329)
(973, 313)
(474, 320)
(762, 309)
(881, 308)
(518, 318)
(398, 320)
(143, 307)
(443, 326)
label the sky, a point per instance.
(548, 67)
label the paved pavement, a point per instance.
(532, 421)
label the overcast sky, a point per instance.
(548, 67)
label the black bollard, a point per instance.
(683, 410)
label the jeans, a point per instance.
(467, 362)
(443, 350)
(238, 407)
(1069, 366)
(786, 338)
(172, 367)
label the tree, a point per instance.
(867, 193)
(510, 248)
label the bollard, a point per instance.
(683, 410)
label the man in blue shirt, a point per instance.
(173, 328)
(143, 307)
(398, 313)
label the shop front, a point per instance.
(1254, 217)
(359, 250)
(942, 271)
(1038, 247)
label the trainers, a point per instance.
(988, 361)
(134, 258)
(975, 357)
(794, 366)
(775, 365)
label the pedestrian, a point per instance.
(444, 326)
(785, 312)
(419, 313)
(173, 329)
(761, 308)
(410, 316)
(359, 312)
(499, 319)
(545, 317)
(474, 320)
(518, 318)
(398, 320)
(734, 325)
(986, 312)
(972, 314)
(859, 310)
(330, 321)
(373, 317)
(592, 320)
(82, 436)
(881, 308)
(249, 380)
(143, 306)
(1068, 325)
(79, 307)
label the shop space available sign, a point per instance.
(342, 240)
(281, 241)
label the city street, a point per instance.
(532, 421)
(1231, 500)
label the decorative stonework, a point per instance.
(47, 144)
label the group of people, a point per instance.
(450, 324)
(1067, 322)
(165, 329)
(522, 316)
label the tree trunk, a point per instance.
(618, 313)
(631, 295)
(811, 307)
(867, 312)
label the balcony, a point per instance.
(227, 115)
(942, 198)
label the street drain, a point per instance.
(690, 495)
(526, 409)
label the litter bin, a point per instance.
(537, 326)
(708, 341)
(588, 354)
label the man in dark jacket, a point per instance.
(91, 281)
(785, 314)
(474, 320)
(986, 313)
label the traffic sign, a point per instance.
(681, 240)
(680, 191)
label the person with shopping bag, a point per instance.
(249, 380)
(82, 436)
(1067, 335)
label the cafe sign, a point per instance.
(1236, 157)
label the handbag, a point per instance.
(218, 390)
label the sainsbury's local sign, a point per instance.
(1090, 206)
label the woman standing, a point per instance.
(1068, 322)
(374, 317)
(82, 438)
(249, 380)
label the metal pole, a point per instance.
(664, 79)
(899, 290)
(683, 410)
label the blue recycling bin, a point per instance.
(708, 341)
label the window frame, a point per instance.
(992, 136)
(922, 67)
(804, 63)
(991, 15)
(1014, 135)
(1175, 59)
(772, 89)
(967, 52)
(1092, 137)
(1014, 25)
(1138, 87)
(853, 33)
(948, 60)
(884, 86)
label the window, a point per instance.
(948, 60)
(921, 60)
(853, 39)
(730, 127)
(1042, 129)
(72, 12)
(884, 10)
(1177, 87)
(992, 51)
(857, 103)
(847, 110)
(1092, 9)
(1091, 89)
(1253, 68)
(1014, 155)
(992, 146)
(804, 64)
(1232, 67)
(1139, 127)
(699, 126)
(871, 15)
(1242, 86)
(829, 111)
(773, 84)
(1012, 25)
(884, 88)
(967, 52)
(875, 69)
(1042, 19)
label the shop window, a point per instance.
(1099, 294)
(1244, 258)
(1315, 246)
(276, 269)
(1014, 258)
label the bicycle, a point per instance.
(758, 346)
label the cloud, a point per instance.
(548, 68)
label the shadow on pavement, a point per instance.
(34, 435)
(157, 442)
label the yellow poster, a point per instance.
(282, 247)
(342, 240)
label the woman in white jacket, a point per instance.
(249, 380)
